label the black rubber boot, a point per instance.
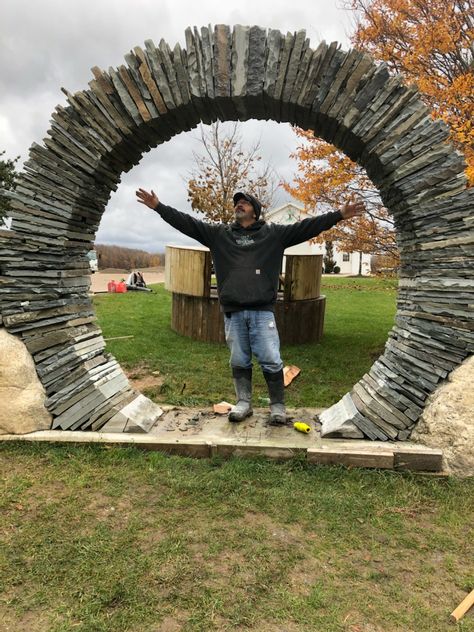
(276, 390)
(243, 391)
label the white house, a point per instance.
(348, 262)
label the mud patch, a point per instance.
(143, 378)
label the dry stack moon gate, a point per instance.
(240, 73)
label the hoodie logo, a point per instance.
(244, 240)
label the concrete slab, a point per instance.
(203, 434)
(177, 423)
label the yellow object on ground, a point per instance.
(301, 427)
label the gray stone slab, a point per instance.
(207, 43)
(140, 415)
(240, 52)
(337, 421)
(125, 97)
(256, 71)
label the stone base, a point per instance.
(214, 436)
(447, 421)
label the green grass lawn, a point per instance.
(110, 539)
(97, 539)
(359, 314)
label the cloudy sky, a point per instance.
(48, 44)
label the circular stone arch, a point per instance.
(236, 74)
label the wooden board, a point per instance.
(377, 457)
(355, 453)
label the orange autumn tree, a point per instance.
(224, 167)
(430, 42)
(325, 180)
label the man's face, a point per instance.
(244, 211)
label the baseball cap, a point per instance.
(257, 206)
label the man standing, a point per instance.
(247, 257)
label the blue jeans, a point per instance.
(253, 331)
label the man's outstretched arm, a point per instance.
(299, 232)
(195, 228)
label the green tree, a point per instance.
(328, 259)
(7, 183)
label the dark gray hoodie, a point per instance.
(248, 260)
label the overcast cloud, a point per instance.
(49, 44)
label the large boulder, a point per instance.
(448, 420)
(22, 395)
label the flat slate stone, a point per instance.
(337, 421)
(140, 415)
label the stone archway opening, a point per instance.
(236, 74)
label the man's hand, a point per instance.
(352, 208)
(148, 199)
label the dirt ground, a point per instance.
(101, 278)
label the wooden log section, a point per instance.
(188, 270)
(299, 310)
(200, 318)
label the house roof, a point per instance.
(288, 205)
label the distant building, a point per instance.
(348, 262)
